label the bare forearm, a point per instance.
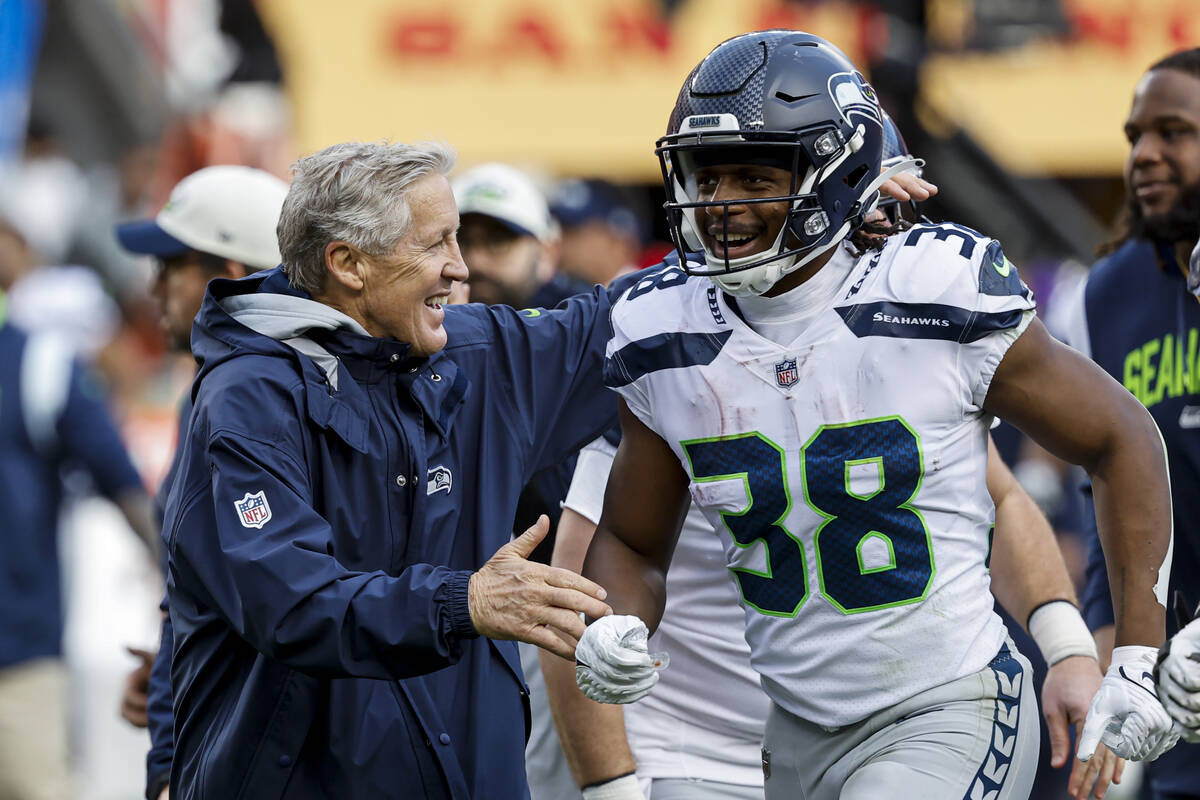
(1135, 531)
(592, 734)
(1076, 411)
(636, 584)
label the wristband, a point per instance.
(625, 787)
(1060, 632)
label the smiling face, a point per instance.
(737, 231)
(403, 292)
(1163, 129)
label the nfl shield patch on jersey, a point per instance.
(786, 373)
(253, 510)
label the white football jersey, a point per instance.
(846, 471)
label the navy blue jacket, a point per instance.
(1144, 329)
(31, 614)
(325, 520)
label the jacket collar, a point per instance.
(342, 360)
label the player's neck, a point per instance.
(792, 280)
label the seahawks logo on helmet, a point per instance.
(853, 95)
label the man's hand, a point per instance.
(1070, 685)
(908, 186)
(137, 685)
(612, 664)
(513, 598)
(1125, 713)
(1178, 682)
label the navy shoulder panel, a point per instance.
(925, 321)
(659, 352)
(997, 275)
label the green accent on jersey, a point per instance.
(531, 312)
(863, 568)
(1163, 368)
(853, 462)
(727, 516)
(1004, 269)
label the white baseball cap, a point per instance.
(227, 211)
(506, 194)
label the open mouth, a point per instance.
(735, 245)
(1148, 189)
(437, 301)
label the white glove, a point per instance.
(1125, 712)
(625, 787)
(1179, 680)
(612, 664)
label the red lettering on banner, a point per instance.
(1113, 31)
(1180, 26)
(425, 37)
(539, 36)
(634, 31)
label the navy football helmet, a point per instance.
(790, 100)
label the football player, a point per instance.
(828, 414)
(712, 749)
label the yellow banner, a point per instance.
(1060, 107)
(581, 87)
(584, 87)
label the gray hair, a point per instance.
(355, 192)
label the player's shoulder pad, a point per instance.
(937, 281)
(949, 263)
(667, 319)
(664, 299)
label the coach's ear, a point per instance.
(345, 264)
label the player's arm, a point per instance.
(592, 734)
(1076, 411)
(1030, 579)
(644, 506)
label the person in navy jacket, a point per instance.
(1140, 323)
(342, 584)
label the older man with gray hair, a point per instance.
(343, 587)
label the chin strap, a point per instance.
(753, 282)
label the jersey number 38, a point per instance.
(882, 518)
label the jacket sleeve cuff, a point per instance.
(455, 597)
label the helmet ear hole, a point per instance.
(856, 176)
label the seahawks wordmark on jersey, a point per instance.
(845, 471)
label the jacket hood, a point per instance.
(264, 304)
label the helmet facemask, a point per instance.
(812, 157)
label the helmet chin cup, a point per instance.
(756, 280)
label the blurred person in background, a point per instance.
(601, 238)
(1141, 325)
(218, 223)
(508, 238)
(53, 419)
